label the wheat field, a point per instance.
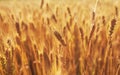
(59, 37)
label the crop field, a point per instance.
(59, 37)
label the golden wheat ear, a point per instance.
(59, 37)
(69, 12)
(18, 28)
(113, 23)
(42, 3)
(116, 11)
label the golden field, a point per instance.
(45, 37)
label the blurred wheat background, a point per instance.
(59, 37)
